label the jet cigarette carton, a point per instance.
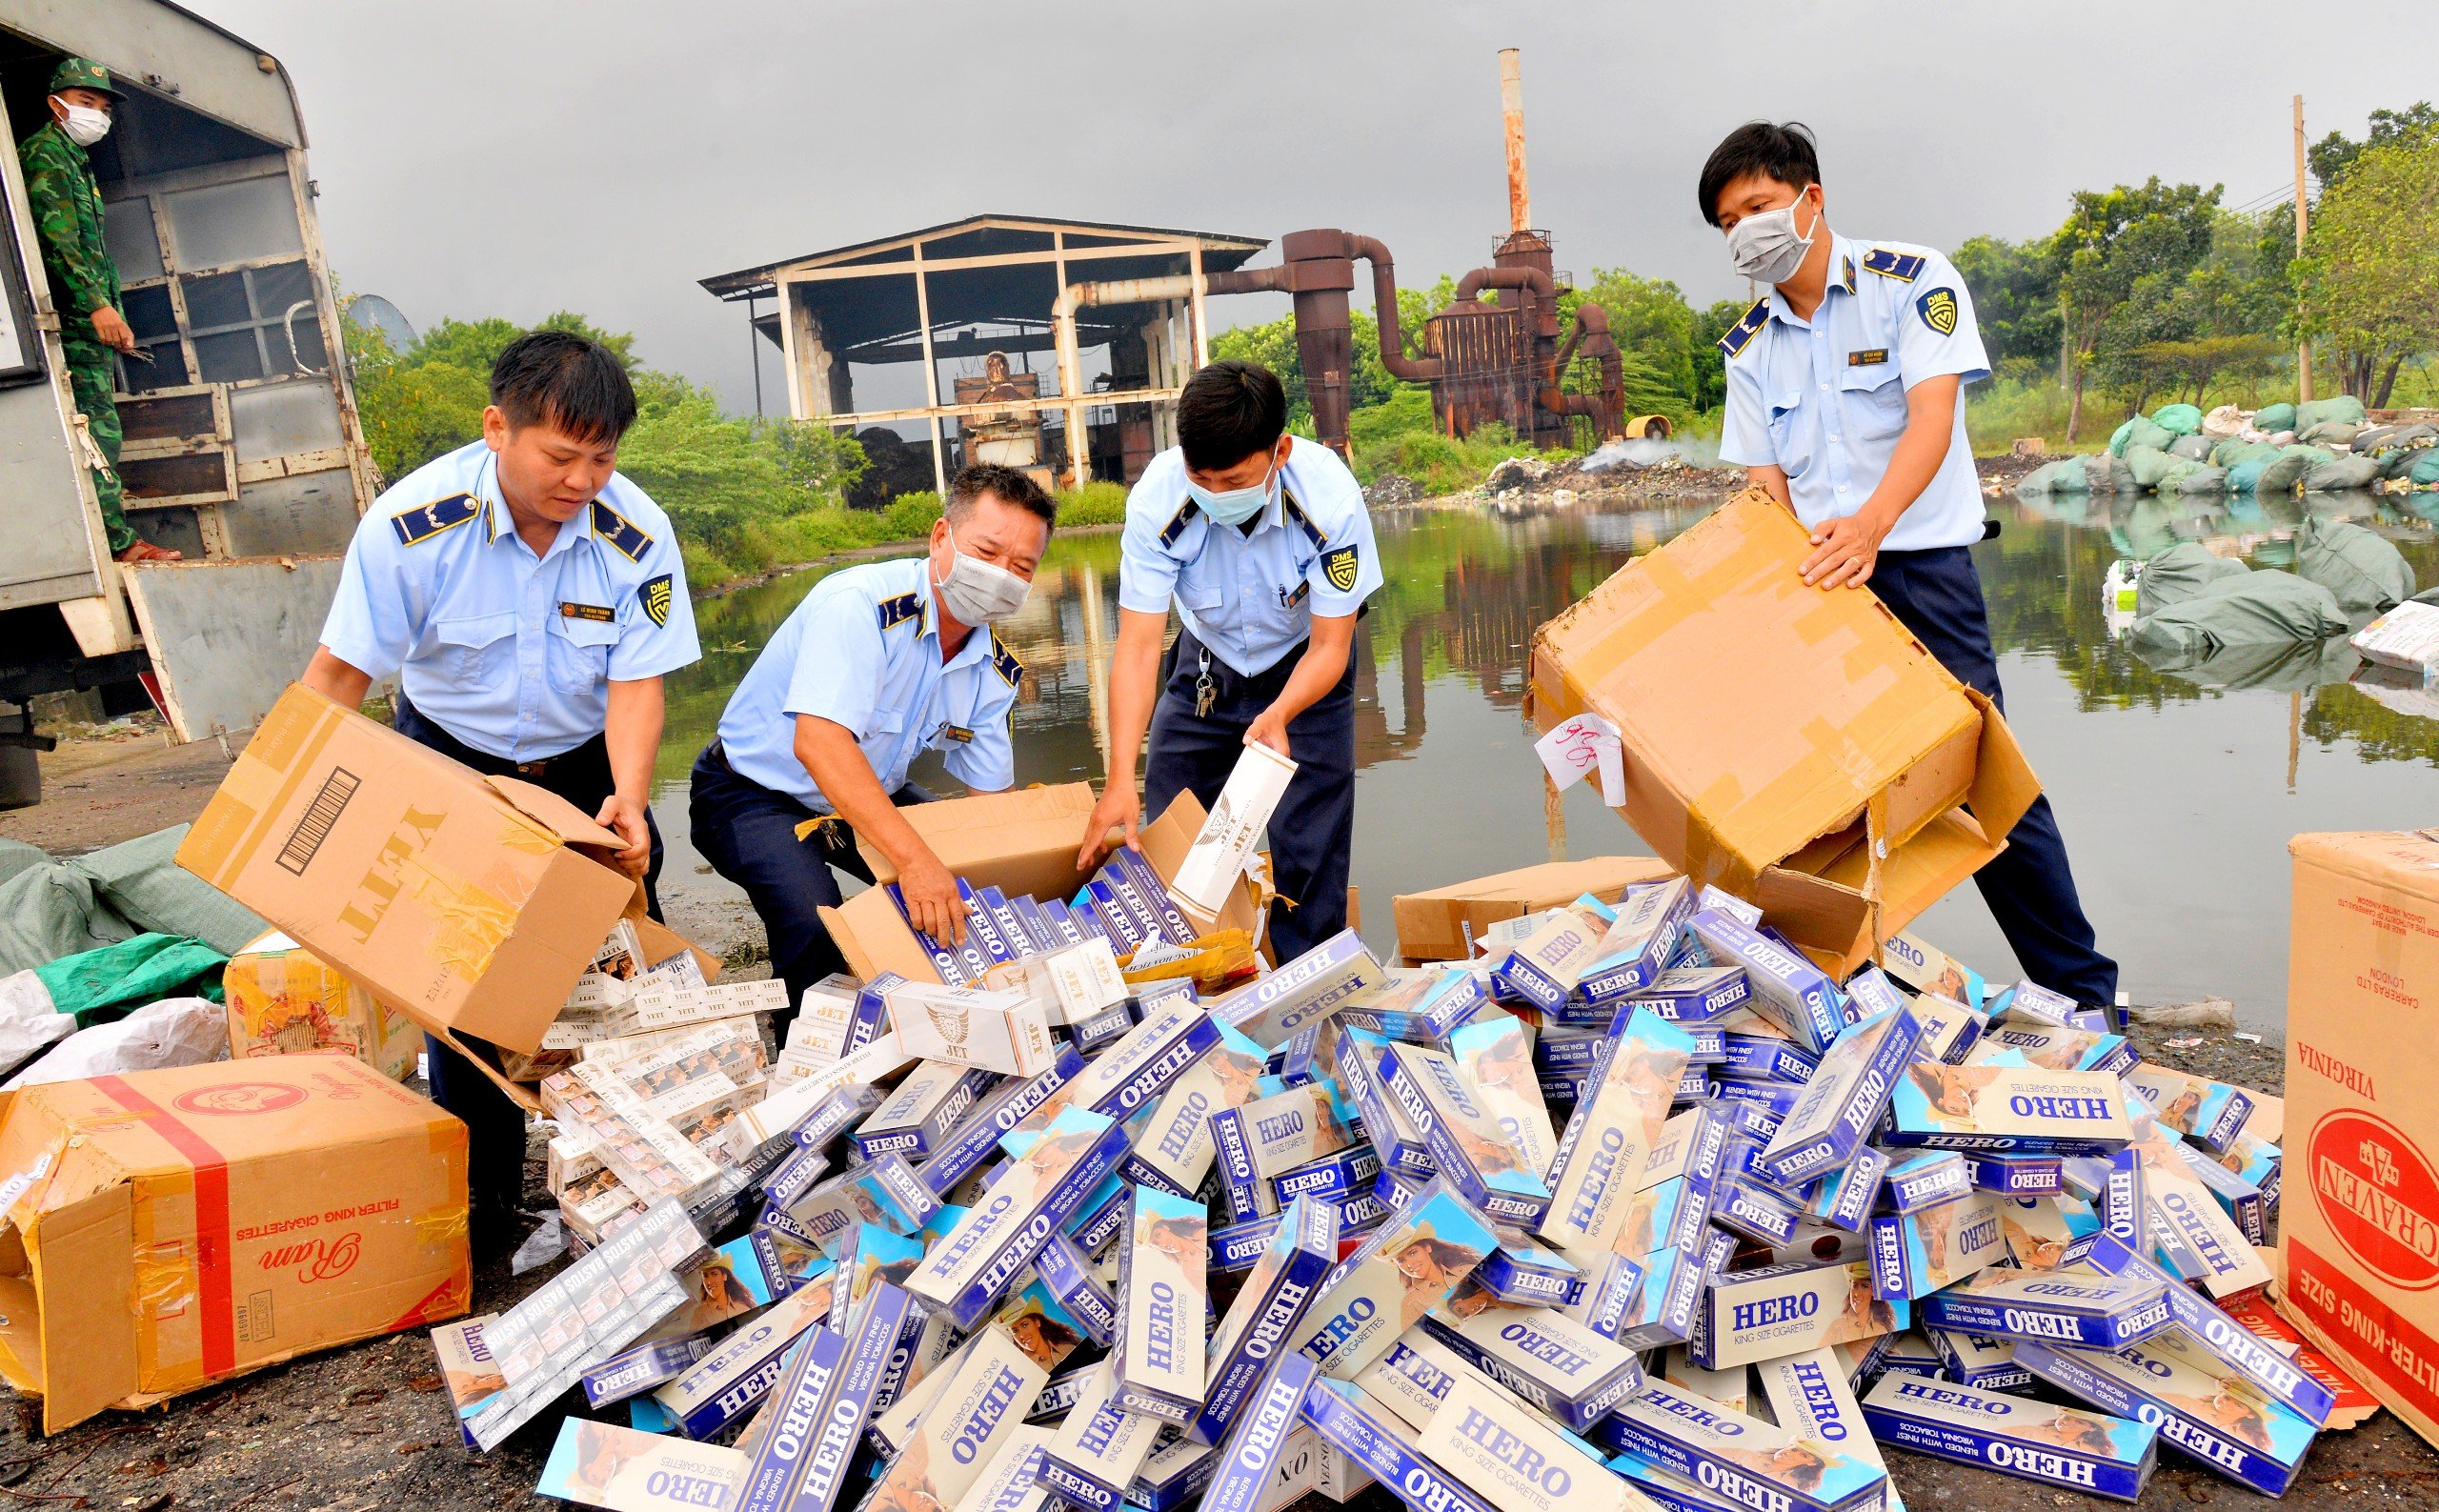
(726, 1383)
(1070, 1275)
(1808, 1394)
(1512, 1459)
(2073, 1447)
(817, 1409)
(1692, 995)
(624, 1470)
(1602, 1154)
(1522, 1272)
(1547, 1358)
(1163, 1254)
(1394, 1137)
(1846, 1198)
(1131, 1075)
(1981, 1362)
(2009, 1109)
(1023, 1207)
(1005, 1032)
(1747, 1461)
(1402, 1269)
(978, 1408)
(1632, 955)
(1421, 1005)
(1092, 1458)
(2055, 1047)
(1210, 870)
(1257, 1440)
(1920, 1179)
(1301, 991)
(1913, 1254)
(998, 1112)
(1283, 1285)
(2209, 1113)
(1464, 1142)
(2240, 1353)
(2170, 1382)
(1787, 989)
(1842, 1102)
(1175, 1150)
(1761, 1314)
(2102, 1312)
(916, 1119)
(1380, 1442)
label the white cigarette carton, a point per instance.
(1006, 1032)
(1217, 859)
(1164, 1253)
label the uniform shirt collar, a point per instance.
(1845, 261)
(498, 525)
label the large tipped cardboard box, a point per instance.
(2359, 1221)
(469, 903)
(1443, 923)
(167, 1229)
(1022, 841)
(1795, 746)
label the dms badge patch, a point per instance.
(1339, 565)
(1938, 308)
(653, 595)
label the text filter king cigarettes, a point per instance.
(2169, 1381)
(1165, 1250)
(1750, 1463)
(1602, 1154)
(2067, 1446)
(1249, 1454)
(1401, 1270)
(1023, 1207)
(1467, 1146)
(1512, 1458)
(1844, 1101)
(1272, 1301)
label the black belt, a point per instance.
(424, 730)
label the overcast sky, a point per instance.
(512, 157)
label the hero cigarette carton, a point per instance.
(1912, 1355)
(1633, 954)
(1376, 1438)
(1412, 1379)
(869, 1256)
(1420, 1005)
(1103, 1029)
(2029, 1000)
(913, 1119)
(1771, 1100)
(1754, 1315)
(1692, 995)
(1292, 1126)
(1394, 1137)
(1242, 1189)
(1788, 988)
(1756, 1212)
(1949, 1030)
(1131, 1075)
(1765, 1058)
(466, 1368)
(1689, 1142)
(1173, 1477)
(1175, 1151)
(1249, 1457)
(2043, 1230)
(884, 1190)
(2237, 1197)
(1747, 1461)
(624, 1470)
(817, 1411)
(1524, 1272)
(1920, 1179)
(2017, 1174)
(1665, 1489)
(1305, 991)
(1093, 1458)
(1668, 1308)
(1512, 1459)
(1162, 1256)
(1842, 1102)
(1729, 1388)
(1607, 1295)
(2102, 1312)
(2238, 1351)
(726, 1383)
(2055, 1047)
(2009, 1108)
(1069, 1274)
(1059, 1396)
(1846, 1198)
(1023, 1206)
(2209, 1113)
(1980, 1361)
(2073, 1447)
(1282, 1286)
(1913, 1254)
(2182, 1210)
(1546, 1357)
(978, 1408)
(832, 1119)
(1600, 1157)
(635, 1371)
(1808, 1394)
(1465, 1144)
(2170, 1383)
(1926, 968)
(973, 1139)
(1335, 1175)
(1400, 1271)
(1542, 968)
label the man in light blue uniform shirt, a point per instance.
(529, 600)
(877, 665)
(1844, 401)
(1261, 541)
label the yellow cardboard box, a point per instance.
(285, 1001)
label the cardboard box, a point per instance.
(259, 1208)
(1443, 923)
(1773, 732)
(285, 1001)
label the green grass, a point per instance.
(1399, 439)
(793, 539)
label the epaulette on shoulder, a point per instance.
(1295, 512)
(1903, 267)
(1178, 522)
(1004, 661)
(424, 521)
(902, 609)
(1741, 333)
(620, 532)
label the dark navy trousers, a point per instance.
(494, 1125)
(2030, 888)
(749, 834)
(1312, 834)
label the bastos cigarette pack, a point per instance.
(1164, 1252)
(1747, 1461)
(1027, 1203)
(1464, 1142)
(1914, 1254)
(2014, 1109)
(2066, 1447)
(1843, 1101)
(1602, 1154)
(2100, 1312)
(1282, 1286)
(1401, 1270)
(2171, 1382)
(1761, 1314)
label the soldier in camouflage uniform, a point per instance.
(66, 205)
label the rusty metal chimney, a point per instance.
(1511, 104)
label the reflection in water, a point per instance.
(2177, 787)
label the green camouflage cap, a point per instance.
(81, 73)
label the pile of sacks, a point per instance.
(2191, 605)
(1636, 1205)
(2322, 446)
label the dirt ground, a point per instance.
(370, 1426)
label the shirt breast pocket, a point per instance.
(1874, 402)
(1201, 590)
(1790, 437)
(476, 648)
(580, 652)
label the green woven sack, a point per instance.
(2149, 463)
(2203, 479)
(2282, 476)
(2180, 419)
(2274, 419)
(2232, 452)
(2118, 438)
(2070, 476)
(2345, 407)
(2246, 476)
(2339, 474)
(2191, 448)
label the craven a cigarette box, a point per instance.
(1249, 1456)
(1602, 1154)
(1023, 1206)
(1163, 1253)
(1788, 989)
(2104, 1312)
(1515, 1459)
(2075, 1447)
(1750, 1463)
(1093, 1458)
(2012, 1109)
(1916, 1253)
(1547, 1358)
(1212, 866)
(1404, 1268)
(1284, 1284)
(1301, 991)
(1755, 1315)
(2172, 1383)
(1464, 1142)
(1843, 1101)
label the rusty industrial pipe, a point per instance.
(1384, 315)
(1533, 281)
(1511, 105)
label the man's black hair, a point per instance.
(573, 383)
(1228, 411)
(1784, 152)
(1004, 483)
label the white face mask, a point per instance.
(1766, 248)
(1234, 506)
(976, 592)
(84, 126)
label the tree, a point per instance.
(1654, 328)
(2368, 279)
(1272, 345)
(2329, 157)
(2113, 238)
(2015, 296)
(1710, 326)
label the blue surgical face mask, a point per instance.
(1236, 505)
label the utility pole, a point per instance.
(2302, 349)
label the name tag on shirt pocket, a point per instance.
(578, 654)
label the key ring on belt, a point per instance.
(1206, 691)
